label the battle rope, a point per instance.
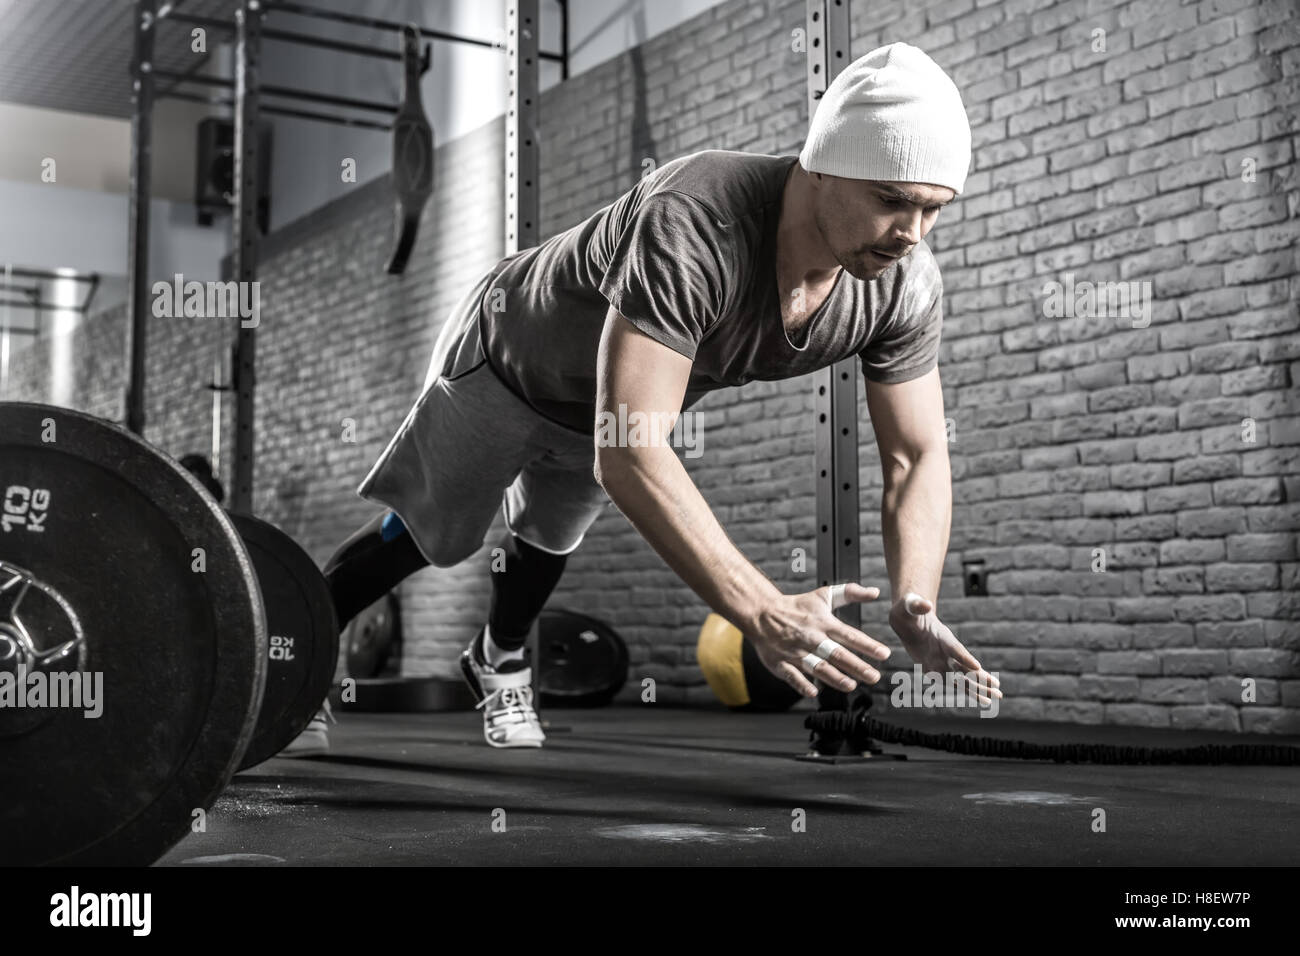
(859, 729)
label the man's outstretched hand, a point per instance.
(930, 643)
(799, 638)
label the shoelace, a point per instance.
(510, 705)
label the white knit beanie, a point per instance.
(891, 115)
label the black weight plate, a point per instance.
(303, 636)
(181, 651)
(373, 637)
(583, 661)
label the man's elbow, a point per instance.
(898, 463)
(610, 466)
(622, 470)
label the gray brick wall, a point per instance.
(1171, 448)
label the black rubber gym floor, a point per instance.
(635, 785)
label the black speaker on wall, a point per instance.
(214, 180)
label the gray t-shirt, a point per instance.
(688, 256)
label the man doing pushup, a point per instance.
(718, 269)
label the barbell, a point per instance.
(151, 644)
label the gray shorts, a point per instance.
(470, 445)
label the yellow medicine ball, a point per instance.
(735, 674)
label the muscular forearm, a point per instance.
(916, 515)
(651, 487)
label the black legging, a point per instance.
(520, 591)
(366, 567)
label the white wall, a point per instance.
(602, 29)
(53, 227)
(59, 227)
(94, 152)
(465, 88)
(80, 221)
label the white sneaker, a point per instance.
(505, 696)
(315, 738)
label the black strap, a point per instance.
(412, 152)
